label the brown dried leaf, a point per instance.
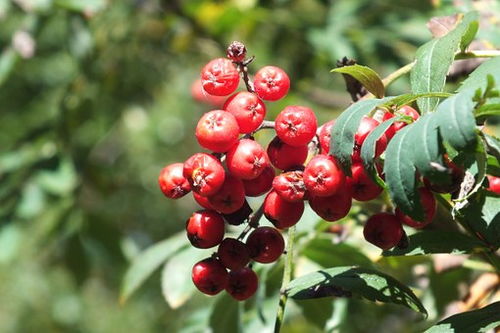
(441, 25)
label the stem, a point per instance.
(397, 74)
(253, 222)
(287, 277)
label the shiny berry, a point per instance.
(247, 159)
(220, 77)
(230, 197)
(172, 182)
(265, 244)
(233, 254)
(332, 208)
(210, 276)
(290, 186)
(494, 184)
(204, 173)
(283, 214)
(217, 131)
(205, 229)
(428, 203)
(260, 185)
(296, 125)
(248, 109)
(362, 186)
(283, 156)
(383, 230)
(324, 134)
(239, 216)
(201, 96)
(242, 283)
(271, 83)
(405, 110)
(366, 126)
(202, 201)
(323, 177)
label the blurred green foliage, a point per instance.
(95, 100)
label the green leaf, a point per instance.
(225, 315)
(433, 61)
(487, 110)
(481, 321)
(429, 242)
(148, 261)
(492, 145)
(478, 79)
(493, 166)
(316, 311)
(406, 99)
(469, 35)
(354, 281)
(344, 129)
(366, 76)
(327, 254)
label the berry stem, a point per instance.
(287, 277)
(253, 222)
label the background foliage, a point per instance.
(95, 100)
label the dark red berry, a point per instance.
(265, 244)
(332, 208)
(202, 201)
(296, 125)
(383, 230)
(290, 186)
(397, 125)
(324, 134)
(233, 254)
(220, 77)
(362, 186)
(247, 159)
(494, 184)
(200, 95)
(242, 283)
(283, 214)
(260, 185)
(172, 181)
(230, 197)
(428, 203)
(366, 126)
(239, 216)
(323, 177)
(271, 83)
(283, 156)
(205, 229)
(204, 173)
(217, 131)
(209, 276)
(248, 109)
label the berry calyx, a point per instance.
(217, 131)
(429, 205)
(265, 244)
(284, 156)
(296, 125)
(248, 109)
(242, 284)
(332, 208)
(236, 51)
(220, 77)
(323, 177)
(362, 186)
(233, 254)
(290, 186)
(204, 173)
(209, 276)
(383, 230)
(494, 184)
(324, 134)
(172, 181)
(282, 214)
(230, 197)
(271, 83)
(246, 159)
(260, 185)
(205, 229)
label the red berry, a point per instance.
(324, 134)
(396, 126)
(202, 201)
(217, 131)
(248, 109)
(172, 182)
(233, 254)
(383, 230)
(265, 244)
(323, 177)
(204, 173)
(209, 276)
(284, 156)
(494, 184)
(220, 77)
(230, 197)
(362, 186)
(290, 186)
(247, 159)
(260, 185)
(239, 216)
(332, 208)
(205, 229)
(271, 83)
(366, 126)
(296, 125)
(242, 283)
(200, 95)
(283, 214)
(428, 203)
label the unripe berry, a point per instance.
(242, 283)
(494, 184)
(217, 131)
(265, 244)
(200, 95)
(362, 186)
(332, 208)
(209, 276)
(324, 134)
(172, 182)
(290, 186)
(383, 230)
(205, 229)
(271, 83)
(323, 177)
(246, 159)
(366, 126)
(220, 77)
(283, 214)
(296, 125)
(396, 126)
(233, 254)
(260, 185)
(429, 205)
(230, 197)
(204, 173)
(283, 156)
(248, 109)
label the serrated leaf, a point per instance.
(225, 315)
(346, 125)
(354, 281)
(366, 76)
(433, 61)
(481, 321)
(429, 242)
(148, 261)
